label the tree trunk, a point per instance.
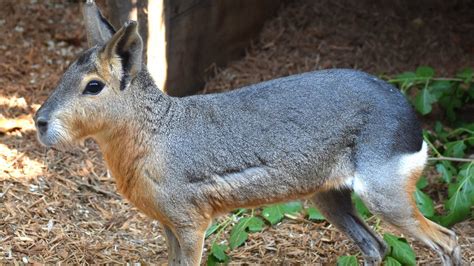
(184, 38)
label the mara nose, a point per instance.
(42, 124)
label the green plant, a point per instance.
(249, 221)
(424, 90)
(347, 261)
(399, 250)
(449, 143)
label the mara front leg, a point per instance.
(174, 250)
(185, 235)
(191, 242)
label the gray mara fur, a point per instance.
(184, 161)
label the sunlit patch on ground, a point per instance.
(17, 165)
(23, 122)
(13, 101)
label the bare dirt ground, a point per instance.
(62, 207)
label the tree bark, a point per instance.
(184, 38)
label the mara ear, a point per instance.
(126, 45)
(98, 29)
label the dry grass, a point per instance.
(62, 207)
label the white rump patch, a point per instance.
(356, 184)
(410, 162)
(404, 166)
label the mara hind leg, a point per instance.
(388, 190)
(336, 206)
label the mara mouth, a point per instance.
(55, 136)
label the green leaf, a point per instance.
(452, 189)
(438, 128)
(441, 134)
(470, 142)
(445, 170)
(466, 169)
(424, 203)
(428, 135)
(406, 79)
(469, 126)
(470, 91)
(450, 102)
(237, 237)
(422, 182)
(275, 213)
(292, 207)
(425, 72)
(458, 210)
(360, 206)
(347, 261)
(461, 198)
(423, 101)
(400, 250)
(255, 224)
(238, 234)
(211, 260)
(467, 180)
(466, 74)
(389, 261)
(218, 251)
(466, 183)
(455, 149)
(439, 88)
(314, 214)
(212, 229)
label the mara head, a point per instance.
(92, 91)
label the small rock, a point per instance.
(19, 29)
(50, 225)
(33, 188)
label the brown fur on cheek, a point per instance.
(81, 124)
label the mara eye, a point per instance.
(93, 87)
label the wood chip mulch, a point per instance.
(63, 207)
